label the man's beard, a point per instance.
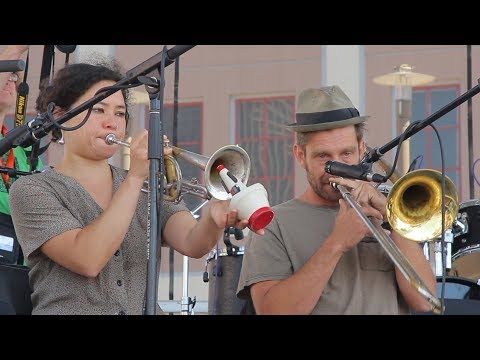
(322, 187)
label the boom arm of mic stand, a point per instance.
(27, 134)
(19, 135)
(150, 66)
(12, 172)
(376, 153)
(30, 133)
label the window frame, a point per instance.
(428, 106)
(264, 138)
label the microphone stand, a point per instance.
(187, 300)
(30, 133)
(376, 153)
(186, 303)
(12, 172)
(155, 88)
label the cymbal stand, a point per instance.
(433, 253)
(186, 300)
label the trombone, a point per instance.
(414, 202)
(233, 157)
(413, 206)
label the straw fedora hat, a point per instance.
(323, 109)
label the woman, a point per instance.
(83, 225)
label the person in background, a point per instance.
(317, 256)
(83, 224)
(10, 251)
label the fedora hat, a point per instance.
(323, 109)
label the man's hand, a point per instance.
(365, 195)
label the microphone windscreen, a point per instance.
(12, 65)
(66, 49)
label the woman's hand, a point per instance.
(224, 217)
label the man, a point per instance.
(10, 252)
(317, 256)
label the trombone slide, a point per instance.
(393, 252)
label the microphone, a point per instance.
(360, 171)
(66, 49)
(12, 65)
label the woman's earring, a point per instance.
(57, 136)
(61, 141)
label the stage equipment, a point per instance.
(223, 273)
(466, 241)
(462, 296)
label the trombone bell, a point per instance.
(414, 205)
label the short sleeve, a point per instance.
(35, 209)
(169, 208)
(265, 258)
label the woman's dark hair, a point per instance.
(72, 81)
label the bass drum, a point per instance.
(466, 245)
(462, 296)
(224, 271)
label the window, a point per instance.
(426, 101)
(260, 130)
(189, 137)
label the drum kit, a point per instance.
(222, 271)
(462, 261)
(224, 267)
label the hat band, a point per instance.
(326, 116)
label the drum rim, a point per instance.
(224, 252)
(462, 280)
(468, 203)
(466, 250)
